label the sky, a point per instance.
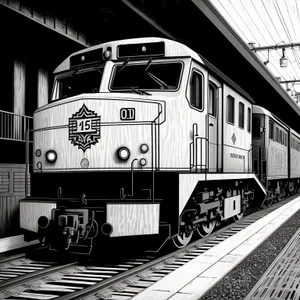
(268, 23)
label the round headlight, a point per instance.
(123, 153)
(38, 152)
(51, 156)
(144, 148)
(106, 54)
(143, 162)
(84, 163)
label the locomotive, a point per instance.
(145, 139)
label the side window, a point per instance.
(277, 135)
(196, 91)
(241, 115)
(230, 110)
(249, 120)
(271, 130)
(256, 127)
(280, 136)
(212, 100)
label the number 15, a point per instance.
(85, 125)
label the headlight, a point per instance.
(144, 148)
(51, 156)
(106, 54)
(38, 152)
(123, 153)
(143, 162)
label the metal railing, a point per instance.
(14, 126)
(198, 151)
(205, 156)
(259, 162)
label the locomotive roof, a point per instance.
(261, 110)
(226, 79)
(171, 49)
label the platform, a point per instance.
(282, 279)
(203, 277)
(14, 242)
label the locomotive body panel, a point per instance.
(129, 219)
(277, 161)
(271, 136)
(237, 138)
(32, 210)
(295, 154)
(63, 129)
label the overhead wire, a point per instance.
(245, 24)
(280, 70)
(271, 19)
(234, 21)
(296, 56)
(297, 8)
(281, 19)
(246, 10)
(245, 21)
(285, 27)
(263, 21)
(288, 11)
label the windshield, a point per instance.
(147, 76)
(78, 82)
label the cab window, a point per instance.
(196, 90)
(249, 120)
(271, 130)
(212, 100)
(230, 110)
(241, 115)
(256, 127)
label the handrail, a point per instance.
(14, 126)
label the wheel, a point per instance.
(182, 239)
(238, 216)
(268, 202)
(218, 223)
(206, 228)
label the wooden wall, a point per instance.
(12, 189)
(40, 14)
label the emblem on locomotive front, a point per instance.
(84, 128)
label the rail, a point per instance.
(14, 126)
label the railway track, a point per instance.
(48, 280)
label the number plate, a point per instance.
(84, 128)
(127, 114)
(85, 125)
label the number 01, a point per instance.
(127, 114)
